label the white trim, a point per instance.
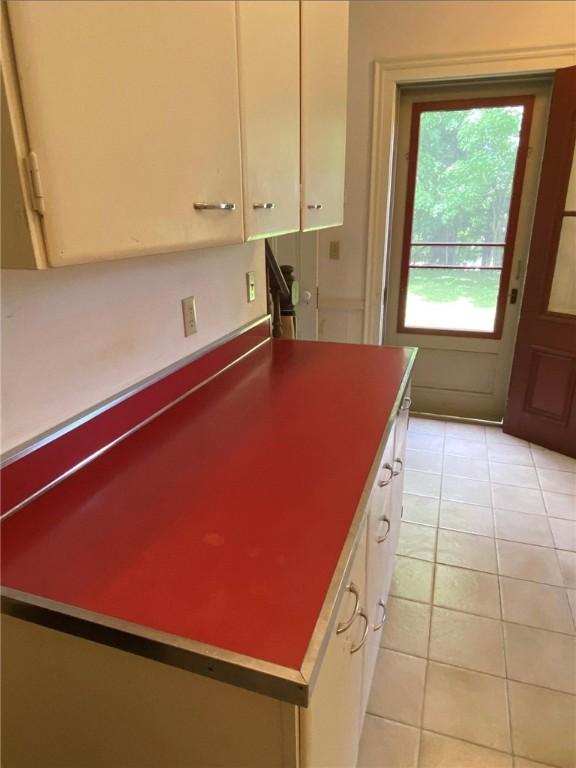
(388, 76)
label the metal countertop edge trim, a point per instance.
(19, 451)
(260, 676)
(91, 457)
(327, 617)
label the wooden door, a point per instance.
(324, 70)
(541, 403)
(269, 65)
(132, 111)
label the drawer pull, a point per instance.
(380, 539)
(344, 625)
(376, 627)
(384, 483)
(215, 206)
(406, 403)
(396, 472)
(314, 207)
(264, 206)
(356, 648)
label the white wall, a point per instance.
(381, 29)
(74, 336)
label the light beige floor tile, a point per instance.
(407, 627)
(385, 743)
(535, 605)
(513, 474)
(462, 466)
(466, 590)
(495, 435)
(457, 447)
(428, 426)
(516, 499)
(466, 705)
(467, 641)
(475, 432)
(520, 762)
(567, 562)
(412, 579)
(465, 490)
(560, 505)
(564, 533)
(540, 657)
(421, 509)
(425, 461)
(558, 481)
(417, 541)
(525, 561)
(422, 441)
(444, 752)
(571, 594)
(469, 518)
(466, 550)
(528, 529)
(552, 460)
(543, 724)
(398, 687)
(421, 483)
(510, 454)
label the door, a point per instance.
(300, 250)
(132, 111)
(324, 71)
(467, 163)
(541, 403)
(270, 112)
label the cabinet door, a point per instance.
(132, 111)
(330, 727)
(324, 41)
(269, 66)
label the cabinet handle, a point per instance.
(344, 625)
(365, 635)
(383, 483)
(397, 471)
(265, 206)
(376, 627)
(380, 539)
(314, 207)
(215, 206)
(406, 403)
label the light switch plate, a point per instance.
(251, 285)
(189, 315)
(334, 250)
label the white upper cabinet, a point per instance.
(132, 113)
(324, 69)
(269, 70)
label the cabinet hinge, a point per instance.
(36, 193)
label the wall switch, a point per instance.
(189, 314)
(334, 250)
(251, 285)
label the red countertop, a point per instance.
(223, 519)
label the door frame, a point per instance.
(389, 75)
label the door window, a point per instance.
(466, 166)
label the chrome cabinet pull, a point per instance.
(383, 483)
(264, 206)
(406, 403)
(376, 627)
(215, 206)
(396, 472)
(314, 207)
(344, 625)
(365, 635)
(380, 539)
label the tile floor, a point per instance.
(478, 661)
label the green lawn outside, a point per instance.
(452, 299)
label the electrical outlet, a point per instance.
(334, 250)
(189, 315)
(251, 285)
